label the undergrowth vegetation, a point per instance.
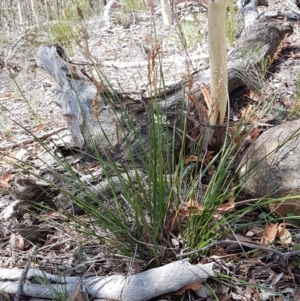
(130, 6)
(189, 34)
(231, 22)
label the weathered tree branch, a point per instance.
(138, 287)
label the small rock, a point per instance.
(271, 166)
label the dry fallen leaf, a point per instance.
(254, 134)
(269, 234)
(281, 229)
(254, 95)
(191, 207)
(226, 208)
(192, 203)
(193, 286)
(39, 128)
(285, 207)
(21, 242)
(191, 158)
(4, 179)
(247, 111)
(284, 235)
(5, 96)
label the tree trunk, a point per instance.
(217, 61)
(35, 11)
(166, 10)
(21, 17)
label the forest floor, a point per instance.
(29, 104)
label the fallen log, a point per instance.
(137, 287)
(93, 114)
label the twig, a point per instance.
(265, 124)
(244, 244)
(24, 274)
(13, 48)
(199, 123)
(121, 64)
(31, 140)
(182, 132)
(216, 126)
